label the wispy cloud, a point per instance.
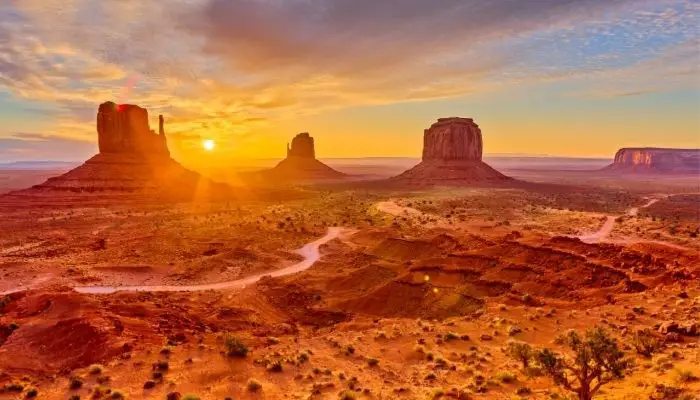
(234, 65)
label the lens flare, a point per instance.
(208, 145)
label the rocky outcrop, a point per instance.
(302, 146)
(300, 165)
(659, 160)
(452, 156)
(124, 129)
(133, 161)
(453, 139)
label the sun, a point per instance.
(208, 145)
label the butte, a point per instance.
(300, 165)
(452, 156)
(133, 162)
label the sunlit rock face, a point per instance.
(133, 162)
(659, 160)
(124, 129)
(452, 153)
(453, 139)
(302, 146)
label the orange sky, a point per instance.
(555, 77)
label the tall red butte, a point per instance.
(452, 156)
(133, 161)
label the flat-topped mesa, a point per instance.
(302, 146)
(124, 129)
(453, 139)
(652, 159)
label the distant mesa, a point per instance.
(132, 160)
(452, 156)
(300, 165)
(656, 160)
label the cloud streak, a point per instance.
(237, 65)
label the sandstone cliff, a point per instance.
(124, 129)
(656, 160)
(300, 165)
(452, 155)
(453, 139)
(302, 146)
(133, 161)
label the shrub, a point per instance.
(523, 391)
(235, 347)
(275, 366)
(76, 382)
(191, 397)
(685, 376)
(32, 393)
(645, 343)
(597, 360)
(372, 362)
(95, 369)
(347, 395)
(521, 352)
(117, 395)
(506, 377)
(253, 385)
(14, 387)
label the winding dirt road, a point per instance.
(310, 252)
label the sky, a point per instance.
(365, 77)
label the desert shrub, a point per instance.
(347, 395)
(596, 361)
(95, 369)
(234, 346)
(372, 362)
(275, 366)
(76, 382)
(645, 343)
(14, 387)
(685, 376)
(253, 385)
(523, 391)
(506, 377)
(117, 395)
(349, 349)
(161, 366)
(191, 397)
(521, 352)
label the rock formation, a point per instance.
(302, 146)
(124, 129)
(299, 166)
(656, 160)
(452, 155)
(453, 139)
(132, 160)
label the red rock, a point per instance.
(302, 146)
(453, 139)
(124, 129)
(300, 165)
(452, 155)
(133, 161)
(656, 160)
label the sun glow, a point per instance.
(208, 145)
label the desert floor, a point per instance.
(413, 294)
